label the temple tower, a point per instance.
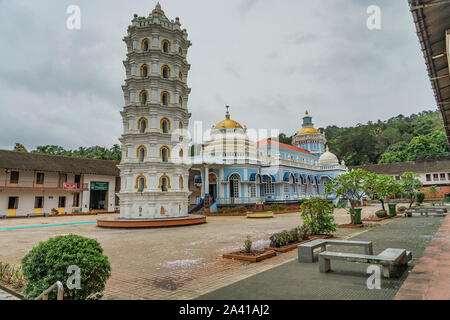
(155, 147)
(309, 138)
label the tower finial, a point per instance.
(306, 112)
(158, 6)
(227, 114)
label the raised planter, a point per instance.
(376, 219)
(260, 215)
(288, 247)
(255, 256)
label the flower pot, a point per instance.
(392, 210)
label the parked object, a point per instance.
(306, 250)
(393, 261)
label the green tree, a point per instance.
(49, 261)
(20, 147)
(349, 185)
(380, 187)
(318, 216)
(409, 184)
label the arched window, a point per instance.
(165, 98)
(166, 46)
(141, 153)
(143, 97)
(140, 183)
(180, 101)
(180, 125)
(142, 124)
(181, 183)
(164, 153)
(145, 44)
(268, 185)
(165, 71)
(180, 50)
(180, 75)
(165, 125)
(164, 182)
(144, 70)
(180, 154)
(234, 180)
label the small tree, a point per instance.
(349, 185)
(420, 197)
(318, 216)
(409, 184)
(49, 261)
(380, 187)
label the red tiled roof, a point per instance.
(265, 142)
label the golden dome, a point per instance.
(227, 123)
(308, 130)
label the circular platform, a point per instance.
(260, 215)
(151, 223)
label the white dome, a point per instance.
(328, 157)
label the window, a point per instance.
(180, 125)
(40, 178)
(144, 70)
(166, 46)
(145, 44)
(180, 154)
(77, 180)
(13, 202)
(164, 184)
(428, 177)
(180, 75)
(165, 98)
(142, 125)
(76, 199)
(180, 50)
(38, 202)
(234, 185)
(286, 188)
(165, 71)
(14, 177)
(180, 101)
(141, 154)
(141, 184)
(143, 97)
(435, 177)
(253, 190)
(165, 154)
(62, 180)
(181, 183)
(165, 125)
(61, 202)
(268, 185)
(442, 175)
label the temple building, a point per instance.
(232, 169)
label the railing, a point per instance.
(241, 200)
(58, 286)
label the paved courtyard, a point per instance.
(170, 263)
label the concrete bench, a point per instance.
(391, 260)
(306, 250)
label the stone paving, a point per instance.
(294, 280)
(430, 278)
(167, 263)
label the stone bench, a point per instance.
(306, 250)
(391, 260)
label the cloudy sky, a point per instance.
(269, 60)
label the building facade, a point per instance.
(154, 168)
(34, 184)
(232, 169)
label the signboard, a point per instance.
(99, 186)
(69, 186)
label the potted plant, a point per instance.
(349, 185)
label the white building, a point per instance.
(154, 169)
(34, 184)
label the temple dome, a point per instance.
(228, 123)
(308, 130)
(328, 157)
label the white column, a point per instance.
(206, 180)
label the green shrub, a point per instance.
(303, 232)
(381, 213)
(420, 196)
(318, 216)
(48, 262)
(276, 207)
(284, 238)
(248, 245)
